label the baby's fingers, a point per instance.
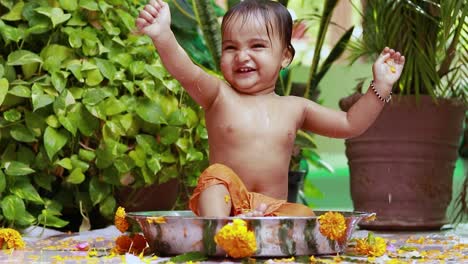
(141, 23)
(148, 17)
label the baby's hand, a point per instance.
(259, 211)
(388, 66)
(154, 19)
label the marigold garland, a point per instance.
(236, 239)
(120, 221)
(371, 246)
(333, 225)
(10, 239)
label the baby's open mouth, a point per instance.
(245, 70)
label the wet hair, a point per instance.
(275, 15)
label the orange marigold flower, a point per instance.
(332, 225)
(120, 221)
(138, 244)
(371, 246)
(236, 239)
(10, 239)
(122, 244)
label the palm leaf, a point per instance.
(335, 53)
(429, 33)
(329, 6)
(207, 20)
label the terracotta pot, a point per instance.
(402, 167)
(152, 198)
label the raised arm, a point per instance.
(155, 21)
(386, 69)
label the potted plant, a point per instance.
(402, 166)
(305, 155)
(86, 109)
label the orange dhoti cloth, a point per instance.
(242, 200)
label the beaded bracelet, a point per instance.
(386, 100)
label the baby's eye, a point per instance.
(230, 47)
(258, 46)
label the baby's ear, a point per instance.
(287, 58)
(288, 55)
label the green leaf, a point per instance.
(26, 191)
(177, 118)
(12, 207)
(86, 155)
(124, 59)
(150, 111)
(2, 182)
(193, 155)
(93, 77)
(169, 134)
(69, 5)
(35, 122)
(127, 19)
(65, 163)
(55, 14)
(153, 164)
(183, 144)
(77, 163)
(156, 71)
(44, 180)
(48, 219)
(167, 174)
(147, 143)
(3, 89)
(124, 164)
(108, 206)
(137, 67)
(55, 55)
(98, 190)
(113, 106)
(15, 12)
(39, 99)
(138, 156)
(20, 57)
(12, 115)
(89, 5)
(76, 176)
(107, 68)
(14, 168)
(54, 141)
(22, 134)
(59, 80)
(20, 91)
(85, 122)
(189, 256)
(12, 33)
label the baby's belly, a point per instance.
(265, 176)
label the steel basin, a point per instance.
(182, 232)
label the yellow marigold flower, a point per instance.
(227, 198)
(10, 239)
(332, 225)
(236, 239)
(120, 221)
(371, 246)
(312, 260)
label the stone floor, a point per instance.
(450, 245)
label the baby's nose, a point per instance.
(243, 55)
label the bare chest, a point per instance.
(252, 122)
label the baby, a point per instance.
(251, 130)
